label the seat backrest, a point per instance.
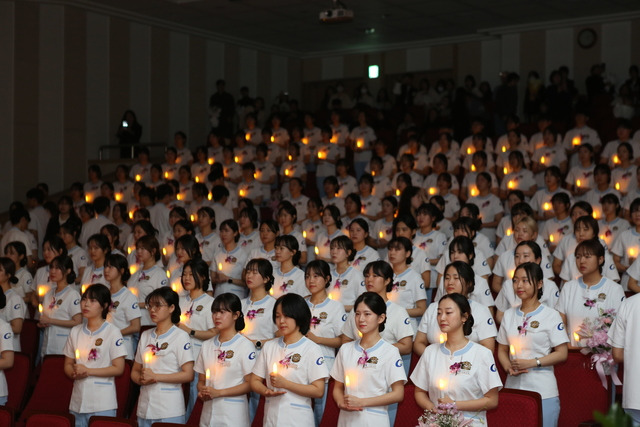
(194, 418)
(123, 387)
(6, 416)
(524, 406)
(98, 421)
(29, 338)
(49, 419)
(576, 374)
(331, 410)
(408, 409)
(18, 380)
(53, 388)
(257, 420)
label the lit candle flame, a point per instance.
(147, 357)
(443, 338)
(360, 334)
(134, 291)
(166, 175)
(511, 273)
(247, 136)
(576, 337)
(242, 192)
(42, 290)
(87, 198)
(286, 172)
(174, 288)
(551, 239)
(168, 274)
(118, 197)
(84, 288)
(512, 350)
(219, 266)
(469, 150)
(442, 384)
(236, 159)
(133, 268)
(164, 251)
(511, 185)
(509, 232)
(505, 170)
(77, 354)
(207, 373)
(546, 206)
(210, 160)
(616, 159)
(40, 308)
(595, 215)
(618, 186)
(322, 155)
(130, 249)
(360, 143)
(273, 138)
(632, 252)
(210, 196)
(347, 383)
(576, 140)
(179, 196)
(183, 317)
(474, 192)
(197, 179)
(138, 177)
(473, 167)
(578, 183)
(381, 234)
(334, 139)
(542, 160)
(316, 250)
(305, 141)
(274, 371)
(304, 234)
(504, 149)
(131, 215)
(330, 296)
(432, 191)
(397, 192)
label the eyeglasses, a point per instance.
(156, 306)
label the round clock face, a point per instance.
(587, 38)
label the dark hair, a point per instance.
(288, 208)
(362, 223)
(402, 243)
(407, 219)
(119, 262)
(463, 304)
(251, 214)
(9, 269)
(355, 198)
(432, 210)
(64, 263)
(169, 296)
(582, 205)
(464, 245)
(335, 214)
(265, 269)
(467, 224)
(210, 213)
(271, 224)
(291, 243)
(190, 244)
(320, 267)
(151, 244)
(521, 208)
(233, 226)
(344, 242)
(101, 241)
(561, 197)
(114, 232)
(296, 308)
(535, 248)
(72, 226)
(186, 224)
(375, 304)
(200, 271)
(100, 293)
(589, 222)
(466, 275)
(231, 303)
(613, 199)
(628, 147)
(20, 248)
(534, 275)
(592, 247)
(146, 226)
(382, 269)
(603, 168)
(472, 208)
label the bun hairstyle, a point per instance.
(465, 309)
(265, 269)
(335, 214)
(64, 263)
(466, 275)
(320, 267)
(375, 304)
(100, 293)
(200, 271)
(231, 303)
(119, 262)
(534, 274)
(291, 243)
(295, 307)
(382, 269)
(402, 243)
(167, 295)
(343, 242)
(9, 269)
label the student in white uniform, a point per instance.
(6, 354)
(207, 236)
(98, 247)
(527, 251)
(346, 280)
(531, 340)
(60, 307)
(288, 278)
(292, 365)
(583, 298)
(333, 228)
(359, 233)
(327, 318)
(457, 371)
(124, 312)
(196, 320)
(407, 289)
(249, 233)
(269, 230)
(17, 253)
(228, 261)
(186, 248)
(149, 277)
(368, 373)
(164, 361)
(14, 311)
(624, 339)
(52, 247)
(224, 367)
(459, 278)
(288, 220)
(94, 356)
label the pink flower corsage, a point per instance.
(222, 356)
(455, 368)
(189, 312)
(362, 360)
(589, 302)
(283, 287)
(228, 259)
(251, 314)
(93, 354)
(395, 286)
(286, 362)
(154, 349)
(522, 330)
(143, 277)
(337, 284)
(315, 321)
(95, 277)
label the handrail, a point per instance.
(132, 146)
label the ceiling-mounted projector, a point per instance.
(338, 13)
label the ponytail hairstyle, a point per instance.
(291, 243)
(465, 309)
(64, 263)
(231, 303)
(375, 304)
(264, 268)
(119, 262)
(321, 268)
(534, 274)
(167, 295)
(9, 269)
(402, 243)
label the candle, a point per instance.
(347, 383)
(147, 359)
(381, 234)
(131, 215)
(576, 337)
(210, 160)
(210, 196)
(442, 385)
(551, 238)
(509, 232)
(616, 159)
(42, 290)
(432, 191)
(633, 252)
(183, 317)
(304, 234)
(77, 354)
(84, 288)
(133, 268)
(322, 155)
(179, 196)
(504, 149)
(316, 250)
(118, 197)
(546, 206)
(166, 175)
(618, 186)
(174, 288)
(138, 177)
(578, 183)
(334, 139)
(469, 150)
(290, 157)
(473, 167)
(168, 274)
(274, 371)
(207, 373)
(40, 308)
(505, 170)
(576, 140)
(397, 192)
(242, 192)
(197, 179)
(88, 198)
(331, 296)
(595, 215)
(360, 334)
(164, 250)
(511, 185)
(273, 138)
(286, 172)
(236, 159)
(443, 338)
(360, 143)
(247, 136)
(542, 160)
(474, 191)
(512, 351)
(219, 266)
(134, 291)
(305, 141)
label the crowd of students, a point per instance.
(246, 284)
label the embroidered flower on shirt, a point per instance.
(522, 330)
(251, 314)
(589, 302)
(422, 245)
(230, 259)
(315, 321)
(284, 285)
(222, 356)
(362, 360)
(93, 354)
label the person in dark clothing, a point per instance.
(222, 109)
(129, 133)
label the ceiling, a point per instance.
(292, 26)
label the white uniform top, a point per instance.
(172, 350)
(381, 186)
(623, 334)
(250, 241)
(79, 257)
(480, 268)
(580, 302)
(371, 205)
(624, 178)
(142, 283)
(258, 318)
(585, 175)
(469, 181)
(228, 363)
(508, 244)
(629, 198)
(251, 190)
(593, 197)
(124, 308)
(124, 188)
(364, 257)
(313, 229)
(406, 290)
(506, 265)
(208, 245)
(245, 154)
(323, 243)
(541, 201)
(300, 203)
(232, 264)
(63, 305)
(386, 228)
(507, 298)
(291, 282)
(367, 135)
(544, 331)
(431, 181)
(489, 206)
(327, 319)
(93, 275)
(16, 235)
(6, 344)
(199, 171)
(470, 373)
(522, 180)
(264, 172)
(97, 350)
(262, 253)
(611, 149)
(41, 279)
(336, 201)
(346, 185)
(301, 362)
(25, 282)
(346, 287)
(434, 243)
(396, 327)
(586, 135)
(628, 239)
(371, 373)
(557, 228)
(481, 292)
(339, 135)
(329, 152)
(570, 270)
(198, 317)
(610, 231)
(14, 309)
(483, 325)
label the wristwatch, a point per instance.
(230, 281)
(192, 333)
(538, 363)
(258, 345)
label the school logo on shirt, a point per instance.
(98, 342)
(320, 361)
(460, 368)
(535, 324)
(114, 305)
(199, 308)
(119, 342)
(223, 356)
(7, 336)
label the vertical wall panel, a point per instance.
(419, 59)
(99, 130)
(355, 65)
(159, 86)
(139, 73)
(247, 72)
(178, 83)
(510, 52)
(198, 96)
(119, 99)
(491, 58)
(583, 59)
(442, 57)
(559, 50)
(332, 68)
(279, 77)
(231, 68)
(7, 40)
(51, 95)
(215, 65)
(616, 49)
(264, 75)
(635, 41)
(468, 61)
(394, 62)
